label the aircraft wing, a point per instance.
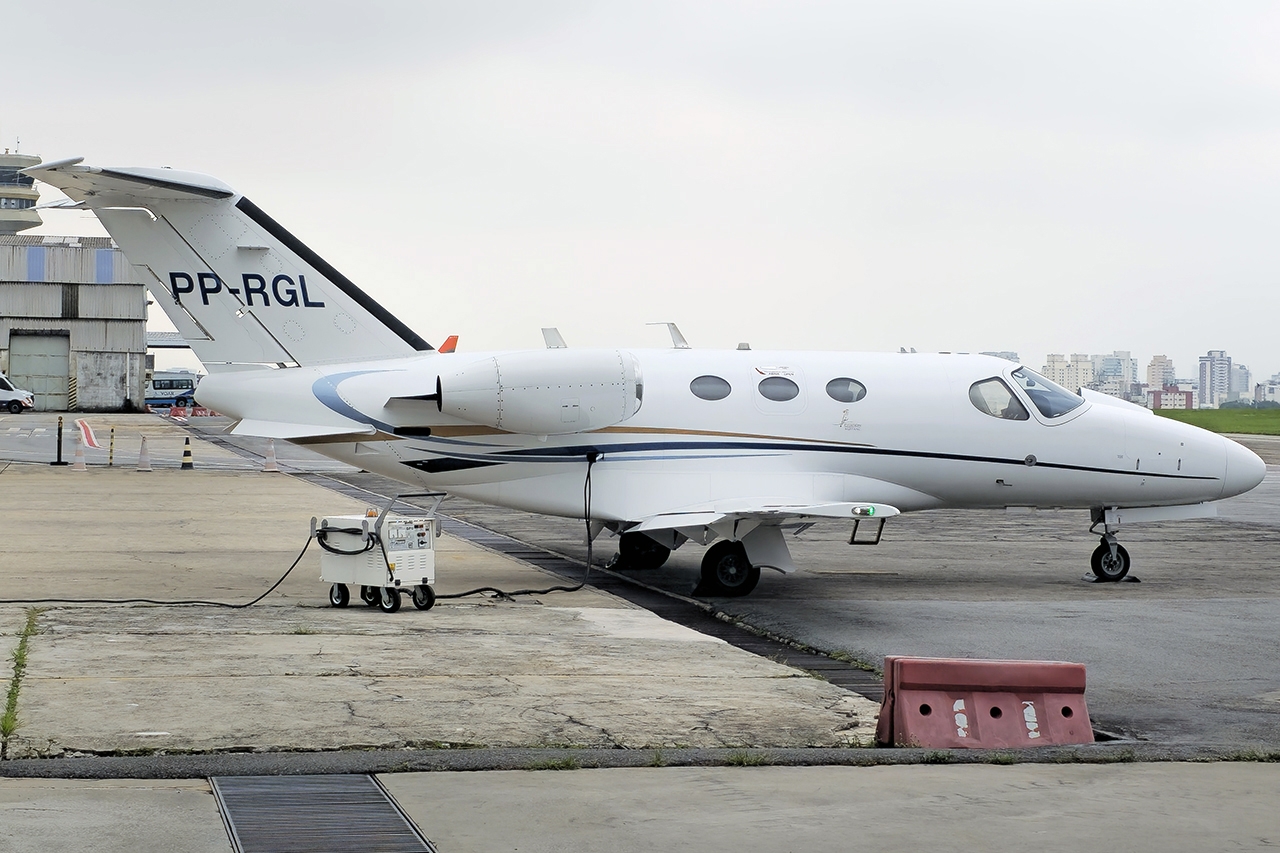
(281, 430)
(756, 523)
(764, 511)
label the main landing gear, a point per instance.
(1110, 560)
(638, 551)
(727, 571)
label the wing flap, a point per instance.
(764, 511)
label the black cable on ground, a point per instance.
(592, 458)
(156, 601)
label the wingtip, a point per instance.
(53, 164)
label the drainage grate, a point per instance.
(314, 814)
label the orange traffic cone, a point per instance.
(187, 463)
(79, 463)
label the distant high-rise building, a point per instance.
(1114, 374)
(1215, 379)
(1160, 373)
(1007, 355)
(1074, 374)
(1241, 386)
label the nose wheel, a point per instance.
(1110, 561)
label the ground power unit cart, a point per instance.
(384, 556)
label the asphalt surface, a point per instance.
(1187, 656)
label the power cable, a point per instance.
(372, 540)
(592, 458)
(192, 603)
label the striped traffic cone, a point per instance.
(79, 463)
(270, 466)
(144, 458)
(187, 463)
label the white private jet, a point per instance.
(723, 447)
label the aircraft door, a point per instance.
(778, 390)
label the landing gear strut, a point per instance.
(727, 571)
(1110, 560)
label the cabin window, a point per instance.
(1049, 397)
(710, 388)
(779, 389)
(993, 397)
(846, 390)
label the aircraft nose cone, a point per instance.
(1244, 469)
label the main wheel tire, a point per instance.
(638, 551)
(15, 408)
(339, 595)
(389, 599)
(424, 597)
(1108, 568)
(727, 571)
(369, 595)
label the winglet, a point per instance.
(450, 344)
(677, 339)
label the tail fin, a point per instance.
(239, 287)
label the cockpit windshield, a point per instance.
(1050, 398)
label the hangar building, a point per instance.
(72, 317)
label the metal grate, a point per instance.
(314, 814)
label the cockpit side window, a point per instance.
(993, 397)
(1050, 398)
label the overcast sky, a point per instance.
(1039, 177)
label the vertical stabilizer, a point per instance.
(237, 285)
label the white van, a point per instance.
(14, 399)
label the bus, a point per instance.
(172, 388)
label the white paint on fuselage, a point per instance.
(915, 441)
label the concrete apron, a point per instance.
(578, 669)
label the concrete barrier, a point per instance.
(982, 704)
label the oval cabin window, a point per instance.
(779, 389)
(846, 390)
(710, 388)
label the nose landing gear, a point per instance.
(1110, 560)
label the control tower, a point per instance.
(18, 194)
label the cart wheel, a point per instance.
(369, 595)
(424, 597)
(389, 600)
(338, 595)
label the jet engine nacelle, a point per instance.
(545, 392)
